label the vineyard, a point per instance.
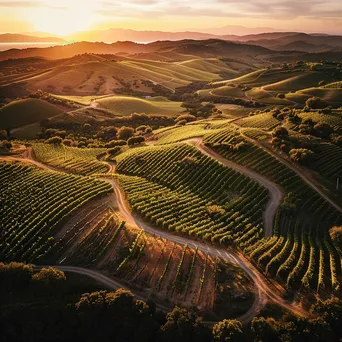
(33, 204)
(185, 275)
(263, 121)
(81, 161)
(300, 253)
(176, 188)
(329, 161)
(182, 133)
(333, 119)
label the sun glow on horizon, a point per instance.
(64, 21)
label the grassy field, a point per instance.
(124, 105)
(83, 100)
(228, 91)
(25, 112)
(27, 131)
(103, 77)
(330, 95)
(263, 96)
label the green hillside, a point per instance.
(124, 105)
(25, 112)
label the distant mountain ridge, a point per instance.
(21, 38)
(202, 48)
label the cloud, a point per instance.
(156, 9)
(20, 4)
(264, 9)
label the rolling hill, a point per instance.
(121, 105)
(25, 112)
(21, 38)
(94, 75)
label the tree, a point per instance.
(330, 311)
(86, 127)
(55, 140)
(113, 151)
(323, 130)
(3, 134)
(187, 117)
(15, 275)
(108, 133)
(280, 132)
(115, 316)
(316, 103)
(228, 330)
(67, 142)
(125, 133)
(265, 329)
(302, 155)
(336, 235)
(114, 143)
(49, 277)
(135, 140)
(182, 326)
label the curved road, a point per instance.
(265, 289)
(293, 168)
(275, 192)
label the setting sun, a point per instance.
(63, 21)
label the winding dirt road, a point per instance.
(109, 283)
(293, 167)
(265, 290)
(275, 192)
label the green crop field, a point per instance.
(222, 201)
(35, 202)
(306, 227)
(76, 160)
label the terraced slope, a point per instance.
(176, 187)
(72, 159)
(287, 254)
(35, 201)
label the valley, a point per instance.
(201, 174)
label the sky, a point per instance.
(66, 17)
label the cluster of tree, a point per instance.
(196, 108)
(336, 236)
(232, 100)
(282, 141)
(98, 132)
(135, 140)
(188, 91)
(107, 136)
(302, 155)
(5, 146)
(3, 134)
(46, 306)
(53, 100)
(184, 118)
(315, 103)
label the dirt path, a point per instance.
(265, 290)
(110, 283)
(294, 168)
(276, 193)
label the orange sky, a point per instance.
(65, 17)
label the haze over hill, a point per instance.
(21, 38)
